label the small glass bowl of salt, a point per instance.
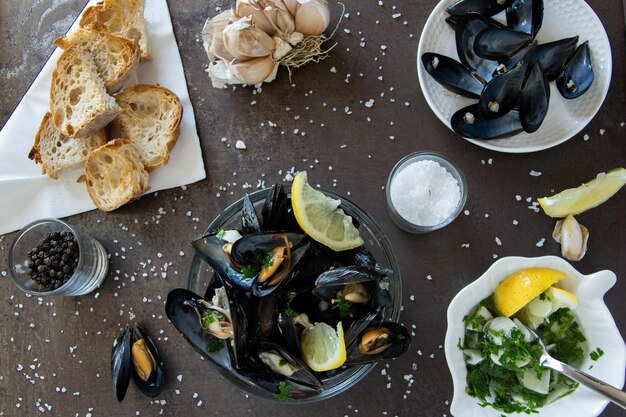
(425, 192)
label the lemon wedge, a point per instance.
(321, 218)
(561, 298)
(521, 287)
(323, 347)
(586, 196)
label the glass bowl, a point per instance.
(200, 274)
(592, 314)
(92, 265)
(456, 173)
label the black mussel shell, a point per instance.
(279, 386)
(554, 55)
(499, 44)
(298, 256)
(263, 315)
(154, 384)
(526, 54)
(577, 76)
(470, 123)
(249, 218)
(211, 250)
(486, 7)
(358, 326)
(452, 75)
(121, 364)
(534, 100)
(501, 94)
(467, 29)
(277, 213)
(253, 248)
(283, 363)
(380, 340)
(525, 16)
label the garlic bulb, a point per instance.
(212, 36)
(573, 238)
(255, 70)
(245, 41)
(254, 9)
(312, 17)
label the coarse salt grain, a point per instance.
(425, 193)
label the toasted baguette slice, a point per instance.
(120, 17)
(57, 152)
(150, 118)
(116, 57)
(79, 103)
(115, 175)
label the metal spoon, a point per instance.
(601, 387)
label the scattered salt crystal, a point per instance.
(179, 377)
(540, 243)
(369, 103)
(534, 173)
(515, 222)
(601, 131)
(240, 145)
(498, 241)
(586, 137)
(425, 193)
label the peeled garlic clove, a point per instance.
(254, 9)
(312, 17)
(244, 40)
(255, 70)
(573, 238)
(212, 35)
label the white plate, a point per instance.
(565, 118)
(592, 314)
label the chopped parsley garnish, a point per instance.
(220, 233)
(282, 362)
(250, 271)
(284, 392)
(562, 330)
(344, 306)
(596, 354)
(215, 344)
(268, 261)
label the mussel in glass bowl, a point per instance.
(277, 281)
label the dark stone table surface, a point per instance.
(55, 352)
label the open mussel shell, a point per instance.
(250, 248)
(211, 250)
(525, 16)
(135, 355)
(280, 361)
(534, 100)
(486, 7)
(249, 219)
(467, 28)
(276, 213)
(275, 384)
(452, 75)
(554, 55)
(470, 123)
(371, 292)
(379, 341)
(578, 75)
(502, 93)
(148, 373)
(121, 364)
(500, 44)
(284, 274)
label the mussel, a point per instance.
(499, 44)
(486, 7)
(135, 355)
(469, 122)
(453, 75)
(534, 100)
(502, 93)
(381, 340)
(525, 16)
(249, 219)
(577, 76)
(277, 359)
(554, 55)
(468, 27)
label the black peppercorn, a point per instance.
(53, 261)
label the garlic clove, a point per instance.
(245, 41)
(279, 16)
(295, 38)
(212, 35)
(255, 70)
(254, 9)
(292, 6)
(282, 48)
(312, 17)
(573, 238)
(221, 75)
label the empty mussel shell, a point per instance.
(502, 93)
(486, 7)
(525, 16)
(249, 219)
(470, 123)
(554, 55)
(467, 29)
(121, 365)
(578, 75)
(452, 75)
(500, 44)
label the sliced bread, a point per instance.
(120, 17)
(115, 175)
(150, 118)
(116, 57)
(79, 103)
(57, 152)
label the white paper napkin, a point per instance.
(27, 195)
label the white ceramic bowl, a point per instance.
(565, 118)
(595, 320)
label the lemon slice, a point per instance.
(521, 287)
(585, 197)
(321, 218)
(561, 298)
(323, 347)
